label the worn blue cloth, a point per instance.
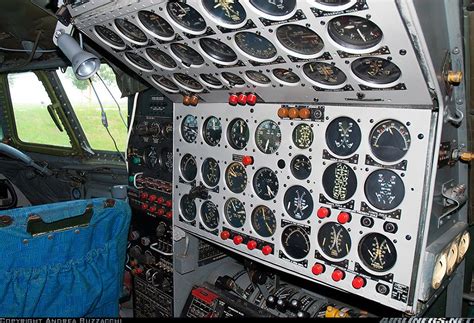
(73, 273)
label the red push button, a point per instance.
(251, 99)
(233, 99)
(247, 160)
(238, 240)
(343, 217)
(358, 282)
(169, 203)
(323, 212)
(169, 214)
(152, 209)
(242, 99)
(144, 196)
(337, 275)
(144, 206)
(251, 245)
(225, 235)
(267, 250)
(318, 269)
(161, 212)
(152, 198)
(160, 200)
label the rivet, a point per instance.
(25, 241)
(76, 231)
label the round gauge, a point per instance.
(334, 5)
(255, 47)
(210, 81)
(299, 41)
(187, 82)
(186, 17)
(160, 58)
(188, 168)
(339, 182)
(463, 245)
(303, 136)
(236, 178)
(238, 134)
(138, 62)
(188, 208)
(233, 79)
(343, 136)
(376, 71)
(167, 130)
(186, 55)
(390, 141)
(301, 167)
(150, 157)
(355, 33)
(209, 215)
(384, 189)
(211, 173)
(334, 240)
(295, 242)
(109, 37)
(234, 211)
(265, 184)
(377, 252)
(154, 129)
(452, 258)
(268, 137)
(439, 271)
(228, 14)
(212, 131)
(165, 84)
(264, 221)
(155, 25)
(286, 77)
(258, 78)
(217, 51)
(298, 202)
(275, 10)
(324, 75)
(166, 160)
(189, 128)
(130, 32)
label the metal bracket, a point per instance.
(454, 196)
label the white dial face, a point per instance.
(452, 257)
(463, 245)
(439, 271)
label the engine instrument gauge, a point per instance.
(160, 58)
(343, 136)
(264, 221)
(150, 157)
(210, 215)
(286, 77)
(211, 173)
(258, 78)
(334, 240)
(138, 62)
(210, 81)
(295, 241)
(339, 182)
(155, 25)
(212, 131)
(275, 10)
(186, 17)
(228, 14)
(233, 79)
(109, 37)
(187, 82)
(303, 136)
(255, 47)
(355, 33)
(265, 184)
(377, 252)
(301, 167)
(234, 211)
(189, 128)
(188, 168)
(324, 75)
(299, 41)
(186, 55)
(268, 137)
(130, 32)
(384, 189)
(165, 84)
(390, 141)
(188, 208)
(217, 51)
(376, 71)
(298, 202)
(238, 134)
(166, 160)
(236, 178)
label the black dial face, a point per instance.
(268, 137)
(276, 9)
(298, 202)
(139, 62)
(130, 31)
(265, 184)
(160, 58)
(209, 215)
(155, 25)
(235, 214)
(188, 208)
(186, 17)
(333, 3)
(286, 76)
(257, 47)
(212, 131)
(324, 74)
(230, 13)
(238, 133)
(390, 141)
(295, 242)
(187, 55)
(211, 173)
(376, 70)
(303, 136)
(188, 82)
(236, 178)
(299, 40)
(109, 37)
(218, 51)
(150, 157)
(189, 128)
(211, 81)
(165, 83)
(258, 78)
(384, 189)
(343, 136)
(188, 168)
(339, 182)
(264, 221)
(166, 160)
(377, 252)
(334, 240)
(301, 167)
(233, 79)
(354, 32)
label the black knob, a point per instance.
(295, 305)
(303, 315)
(282, 305)
(271, 301)
(161, 229)
(134, 235)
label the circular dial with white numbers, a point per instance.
(210, 215)
(265, 184)
(376, 71)
(212, 131)
(377, 252)
(324, 75)
(255, 47)
(211, 172)
(238, 133)
(354, 32)
(189, 128)
(334, 240)
(384, 189)
(217, 51)
(234, 211)
(301, 167)
(236, 177)
(131, 32)
(188, 208)
(228, 14)
(186, 17)
(275, 10)
(303, 136)
(268, 137)
(298, 202)
(264, 221)
(296, 242)
(155, 25)
(299, 40)
(390, 140)
(188, 168)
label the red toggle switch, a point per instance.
(337, 275)
(358, 282)
(160, 200)
(161, 212)
(318, 269)
(238, 240)
(251, 245)
(169, 214)
(323, 212)
(251, 99)
(233, 99)
(343, 217)
(152, 198)
(247, 160)
(169, 203)
(267, 250)
(144, 206)
(143, 196)
(225, 235)
(242, 99)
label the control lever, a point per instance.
(200, 192)
(16, 154)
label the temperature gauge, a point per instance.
(390, 141)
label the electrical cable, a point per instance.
(118, 105)
(132, 120)
(14, 50)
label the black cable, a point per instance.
(118, 105)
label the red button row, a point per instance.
(251, 245)
(342, 218)
(243, 99)
(154, 209)
(337, 275)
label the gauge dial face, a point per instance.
(236, 178)
(189, 128)
(268, 137)
(211, 81)
(187, 55)
(238, 134)
(334, 240)
(295, 241)
(188, 168)
(264, 221)
(256, 47)
(298, 202)
(211, 173)
(265, 184)
(376, 71)
(303, 136)
(166, 160)
(218, 51)
(165, 83)
(161, 59)
(377, 252)
(339, 182)
(286, 77)
(230, 14)
(155, 25)
(355, 32)
(212, 131)
(235, 214)
(277, 10)
(258, 78)
(233, 79)
(390, 140)
(343, 136)
(301, 167)
(384, 189)
(187, 82)
(439, 271)
(209, 215)
(130, 31)
(150, 156)
(186, 17)
(324, 75)
(188, 208)
(109, 37)
(299, 40)
(139, 62)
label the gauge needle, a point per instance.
(361, 35)
(270, 192)
(371, 254)
(266, 145)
